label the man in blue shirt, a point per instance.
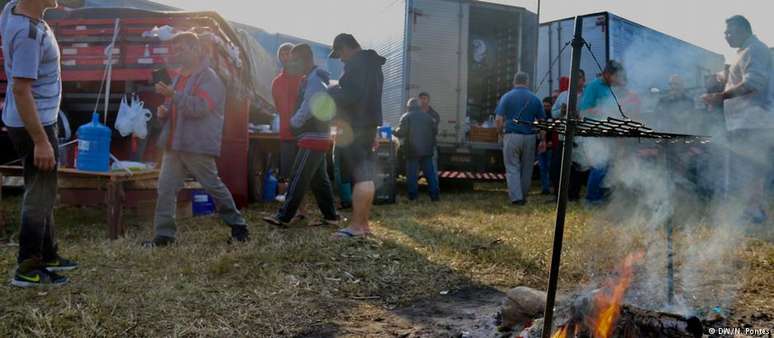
(519, 140)
(597, 103)
(31, 106)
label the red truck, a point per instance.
(83, 36)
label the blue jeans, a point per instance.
(544, 161)
(412, 167)
(594, 190)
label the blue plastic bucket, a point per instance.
(202, 203)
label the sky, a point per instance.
(700, 22)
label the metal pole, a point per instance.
(670, 263)
(537, 43)
(564, 178)
(669, 230)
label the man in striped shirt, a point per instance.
(31, 57)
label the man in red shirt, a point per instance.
(284, 90)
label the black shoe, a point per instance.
(61, 264)
(37, 278)
(159, 241)
(519, 202)
(239, 233)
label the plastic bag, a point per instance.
(133, 118)
(125, 119)
(128, 165)
(143, 115)
(140, 118)
(163, 33)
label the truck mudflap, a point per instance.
(468, 175)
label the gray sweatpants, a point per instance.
(519, 158)
(175, 167)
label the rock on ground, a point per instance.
(522, 304)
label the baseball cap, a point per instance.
(342, 40)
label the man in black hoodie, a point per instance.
(358, 97)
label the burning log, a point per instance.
(602, 314)
(632, 322)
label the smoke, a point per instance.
(709, 194)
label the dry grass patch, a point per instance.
(296, 281)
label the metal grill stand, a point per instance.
(564, 178)
(612, 127)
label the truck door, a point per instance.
(438, 34)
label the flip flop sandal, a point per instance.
(346, 233)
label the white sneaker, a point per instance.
(280, 198)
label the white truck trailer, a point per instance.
(464, 54)
(649, 56)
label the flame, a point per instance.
(561, 333)
(608, 304)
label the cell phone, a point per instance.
(161, 75)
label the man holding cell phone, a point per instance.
(192, 133)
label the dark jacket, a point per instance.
(436, 117)
(434, 114)
(199, 114)
(358, 95)
(417, 131)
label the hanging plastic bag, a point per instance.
(142, 116)
(163, 33)
(125, 119)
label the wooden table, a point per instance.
(83, 188)
(263, 147)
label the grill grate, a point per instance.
(614, 127)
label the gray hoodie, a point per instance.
(199, 113)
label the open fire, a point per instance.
(604, 315)
(607, 305)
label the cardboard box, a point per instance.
(484, 135)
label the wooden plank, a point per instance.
(66, 173)
(265, 136)
(115, 208)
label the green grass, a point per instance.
(288, 282)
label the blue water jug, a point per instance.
(94, 146)
(202, 204)
(270, 184)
